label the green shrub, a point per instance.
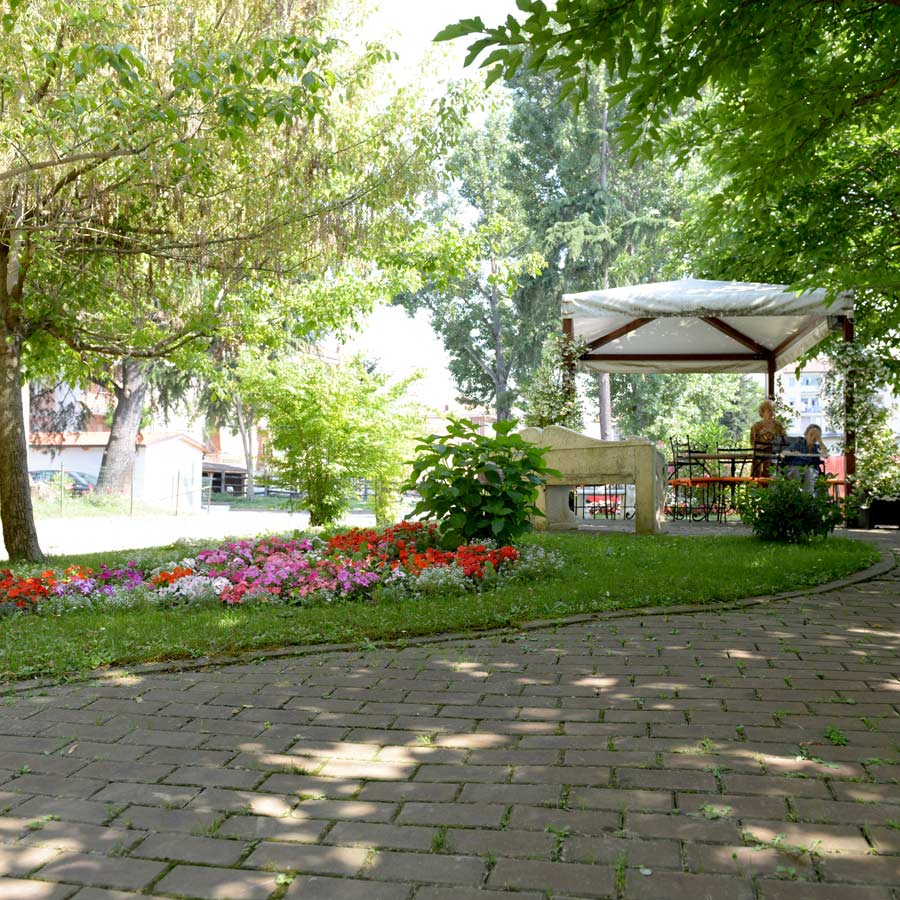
(784, 512)
(476, 486)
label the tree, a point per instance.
(786, 76)
(187, 146)
(661, 407)
(792, 107)
(275, 321)
(111, 119)
(129, 386)
(328, 426)
(591, 211)
(472, 262)
(471, 280)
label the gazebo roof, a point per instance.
(700, 326)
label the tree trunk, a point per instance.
(244, 420)
(603, 398)
(16, 513)
(605, 403)
(502, 399)
(117, 466)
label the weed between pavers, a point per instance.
(778, 843)
(38, 823)
(439, 840)
(712, 812)
(560, 833)
(836, 736)
(621, 868)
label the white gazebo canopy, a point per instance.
(701, 326)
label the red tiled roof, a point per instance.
(101, 438)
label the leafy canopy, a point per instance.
(789, 73)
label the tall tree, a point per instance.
(129, 384)
(796, 119)
(472, 274)
(112, 117)
(172, 139)
(591, 210)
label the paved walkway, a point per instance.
(749, 755)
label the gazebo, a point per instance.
(704, 326)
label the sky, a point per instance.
(402, 344)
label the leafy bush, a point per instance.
(478, 487)
(877, 453)
(551, 397)
(784, 512)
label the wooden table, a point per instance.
(732, 458)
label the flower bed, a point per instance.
(359, 564)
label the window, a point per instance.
(811, 381)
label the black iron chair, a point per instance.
(767, 459)
(685, 465)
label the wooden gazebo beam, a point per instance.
(736, 335)
(674, 357)
(627, 328)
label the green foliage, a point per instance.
(157, 159)
(823, 67)
(472, 273)
(575, 209)
(709, 409)
(785, 513)
(551, 397)
(478, 486)
(868, 376)
(836, 736)
(329, 425)
(791, 109)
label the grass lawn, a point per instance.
(91, 505)
(602, 572)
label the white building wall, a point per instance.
(803, 393)
(168, 468)
(160, 469)
(73, 459)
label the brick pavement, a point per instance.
(746, 755)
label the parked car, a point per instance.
(77, 482)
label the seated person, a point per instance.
(766, 437)
(804, 457)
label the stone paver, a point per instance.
(750, 754)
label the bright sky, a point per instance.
(401, 344)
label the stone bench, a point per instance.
(585, 460)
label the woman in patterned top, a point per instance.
(766, 438)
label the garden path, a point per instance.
(742, 755)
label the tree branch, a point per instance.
(165, 347)
(68, 160)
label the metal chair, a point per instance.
(767, 457)
(684, 465)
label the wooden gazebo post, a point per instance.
(568, 328)
(849, 433)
